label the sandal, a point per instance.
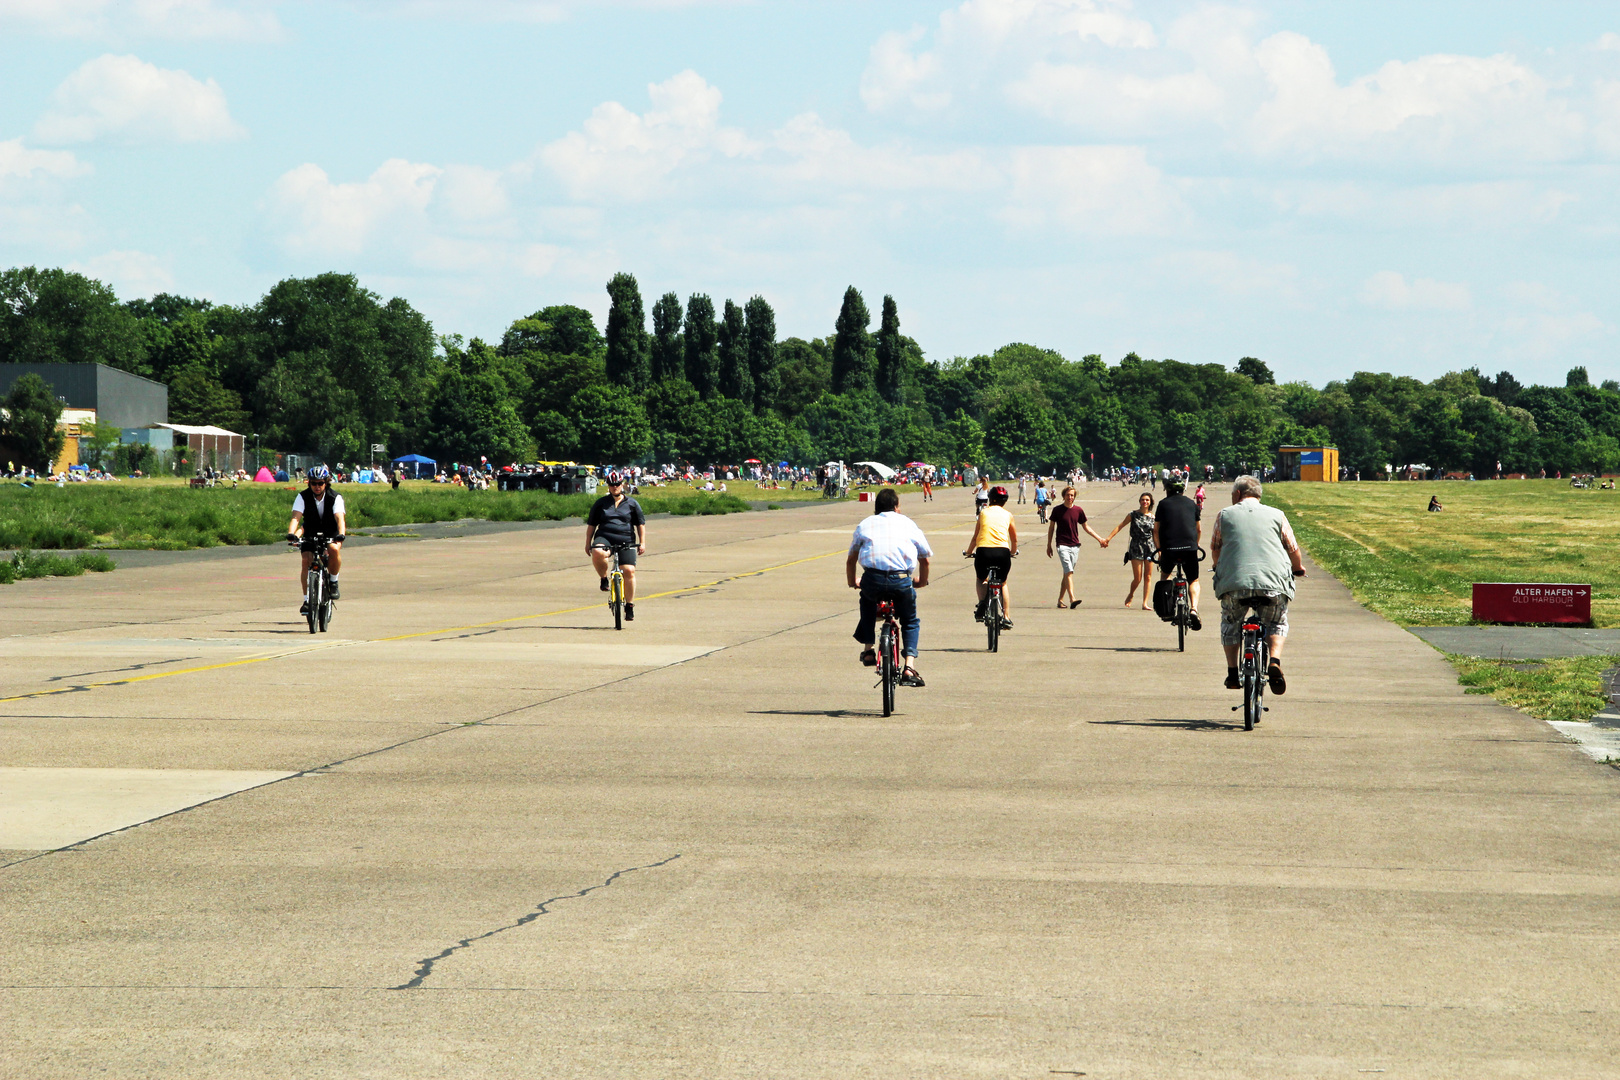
(869, 658)
(909, 677)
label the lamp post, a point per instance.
(255, 453)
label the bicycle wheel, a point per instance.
(326, 614)
(312, 598)
(616, 598)
(992, 620)
(888, 677)
(1181, 626)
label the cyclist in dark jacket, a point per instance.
(616, 523)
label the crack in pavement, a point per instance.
(425, 965)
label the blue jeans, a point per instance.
(893, 585)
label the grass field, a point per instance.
(1416, 568)
(172, 517)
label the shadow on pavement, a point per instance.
(814, 712)
(1185, 725)
(1126, 648)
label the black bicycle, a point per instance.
(1253, 663)
(995, 611)
(318, 603)
(1183, 611)
(889, 665)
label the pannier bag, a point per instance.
(1164, 599)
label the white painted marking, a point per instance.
(42, 809)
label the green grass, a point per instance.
(32, 564)
(172, 517)
(1417, 569)
(1564, 689)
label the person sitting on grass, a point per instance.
(1434, 504)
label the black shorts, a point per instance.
(306, 544)
(627, 552)
(987, 559)
(1186, 557)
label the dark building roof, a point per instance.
(119, 398)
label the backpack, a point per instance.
(1164, 599)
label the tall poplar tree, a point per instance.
(735, 379)
(762, 354)
(626, 357)
(851, 369)
(702, 352)
(891, 355)
(668, 348)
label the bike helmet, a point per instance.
(998, 495)
(319, 472)
(1173, 486)
(612, 476)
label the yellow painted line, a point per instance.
(398, 637)
(593, 607)
(166, 674)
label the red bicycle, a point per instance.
(888, 654)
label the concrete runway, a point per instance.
(475, 832)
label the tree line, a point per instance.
(321, 365)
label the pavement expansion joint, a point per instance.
(425, 966)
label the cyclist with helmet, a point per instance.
(616, 523)
(995, 542)
(318, 511)
(1176, 533)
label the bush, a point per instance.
(172, 518)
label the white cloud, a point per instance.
(1390, 290)
(522, 11)
(179, 19)
(981, 38)
(315, 216)
(130, 273)
(21, 163)
(625, 155)
(129, 100)
(1441, 108)
(811, 157)
(1093, 189)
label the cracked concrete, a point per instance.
(1063, 858)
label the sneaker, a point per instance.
(629, 612)
(333, 593)
(303, 609)
(978, 613)
(1274, 675)
(604, 584)
(1193, 621)
(1232, 680)
(1006, 623)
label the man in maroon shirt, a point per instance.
(1064, 527)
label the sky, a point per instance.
(1414, 187)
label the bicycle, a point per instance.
(994, 613)
(889, 664)
(318, 603)
(1253, 664)
(616, 592)
(1183, 613)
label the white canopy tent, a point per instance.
(879, 468)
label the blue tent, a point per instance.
(413, 464)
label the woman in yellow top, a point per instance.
(995, 542)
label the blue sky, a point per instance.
(1412, 187)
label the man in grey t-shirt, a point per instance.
(1255, 560)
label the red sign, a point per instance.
(1506, 603)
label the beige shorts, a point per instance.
(1068, 557)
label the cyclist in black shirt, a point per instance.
(1176, 533)
(616, 523)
